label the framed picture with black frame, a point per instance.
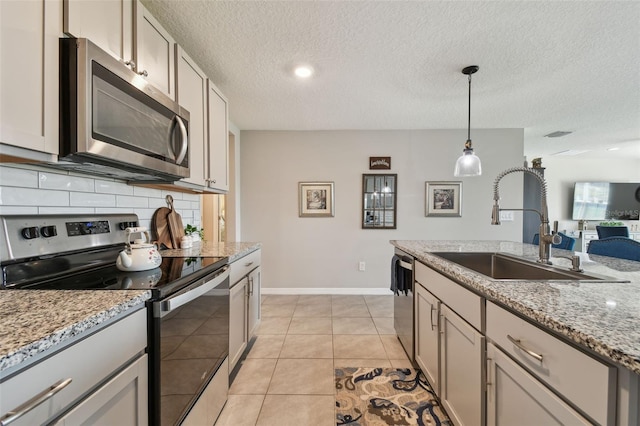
(443, 199)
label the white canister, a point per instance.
(186, 242)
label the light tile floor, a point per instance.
(287, 376)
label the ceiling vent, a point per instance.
(557, 134)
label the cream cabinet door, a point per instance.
(462, 367)
(516, 397)
(254, 312)
(192, 95)
(237, 321)
(154, 51)
(427, 333)
(107, 23)
(218, 153)
(29, 31)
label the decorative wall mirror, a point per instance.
(379, 201)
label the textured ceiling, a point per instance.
(544, 66)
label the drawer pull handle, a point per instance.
(525, 350)
(248, 264)
(23, 409)
(433, 309)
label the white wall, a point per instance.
(323, 253)
(561, 173)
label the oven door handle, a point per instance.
(185, 297)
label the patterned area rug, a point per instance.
(386, 396)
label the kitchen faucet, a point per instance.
(547, 238)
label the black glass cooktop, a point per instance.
(171, 275)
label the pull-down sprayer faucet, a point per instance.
(547, 238)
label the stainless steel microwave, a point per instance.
(113, 122)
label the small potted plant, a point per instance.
(196, 234)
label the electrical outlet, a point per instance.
(362, 265)
(506, 216)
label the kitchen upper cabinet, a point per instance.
(192, 95)
(154, 51)
(107, 23)
(29, 31)
(218, 147)
(126, 30)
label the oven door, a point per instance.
(189, 341)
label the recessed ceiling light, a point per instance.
(615, 148)
(303, 71)
(557, 134)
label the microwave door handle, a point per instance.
(185, 140)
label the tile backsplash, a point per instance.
(40, 190)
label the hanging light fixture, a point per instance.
(468, 164)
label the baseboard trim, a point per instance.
(328, 290)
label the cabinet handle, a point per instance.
(248, 264)
(131, 64)
(144, 73)
(250, 286)
(529, 352)
(440, 317)
(23, 409)
(433, 309)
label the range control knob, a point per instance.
(48, 231)
(30, 233)
(125, 225)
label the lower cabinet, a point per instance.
(244, 305)
(238, 336)
(102, 379)
(461, 369)
(448, 349)
(427, 335)
(515, 397)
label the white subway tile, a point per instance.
(174, 194)
(15, 196)
(156, 203)
(6, 210)
(191, 197)
(113, 187)
(195, 205)
(65, 210)
(92, 199)
(48, 180)
(181, 205)
(144, 214)
(131, 201)
(101, 210)
(142, 191)
(11, 176)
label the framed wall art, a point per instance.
(443, 199)
(316, 199)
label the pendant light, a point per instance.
(468, 164)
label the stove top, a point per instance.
(79, 253)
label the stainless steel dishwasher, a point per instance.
(402, 287)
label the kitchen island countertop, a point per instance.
(34, 322)
(601, 316)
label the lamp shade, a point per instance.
(468, 164)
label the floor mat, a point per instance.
(386, 396)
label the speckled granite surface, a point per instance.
(32, 321)
(233, 251)
(604, 317)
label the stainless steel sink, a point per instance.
(499, 266)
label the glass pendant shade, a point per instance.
(468, 164)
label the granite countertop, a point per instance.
(233, 251)
(34, 321)
(601, 316)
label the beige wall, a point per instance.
(561, 173)
(322, 254)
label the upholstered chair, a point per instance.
(612, 231)
(620, 247)
(567, 242)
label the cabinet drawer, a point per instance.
(243, 266)
(581, 379)
(87, 363)
(465, 303)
